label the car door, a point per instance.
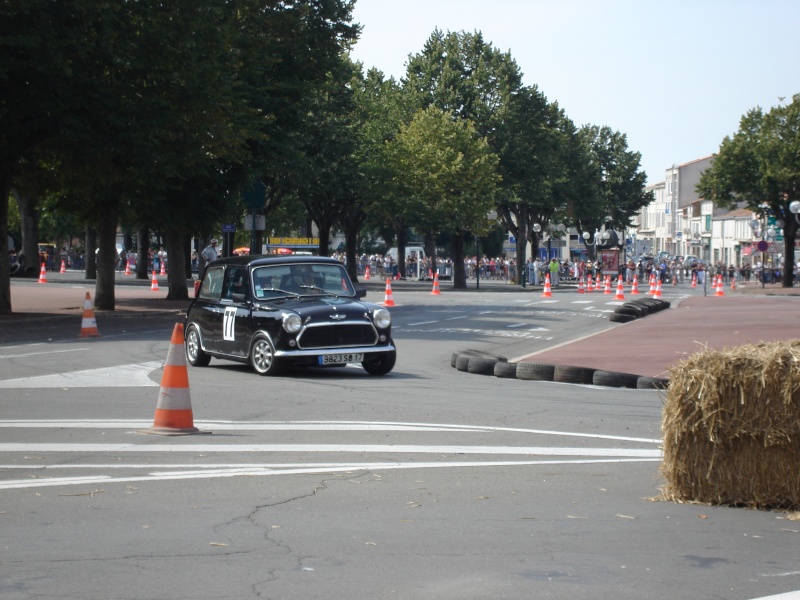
(233, 337)
(207, 311)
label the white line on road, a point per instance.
(41, 353)
(121, 376)
(261, 470)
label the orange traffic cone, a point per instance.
(42, 275)
(635, 286)
(580, 286)
(154, 283)
(435, 291)
(718, 284)
(590, 284)
(657, 293)
(163, 267)
(88, 324)
(128, 267)
(174, 409)
(389, 300)
(675, 279)
(548, 291)
(607, 288)
(63, 266)
(620, 294)
(652, 284)
(366, 273)
(694, 280)
(733, 283)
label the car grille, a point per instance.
(338, 336)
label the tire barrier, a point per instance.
(535, 371)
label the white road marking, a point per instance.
(121, 376)
(41, 353)
(300, 468)
(421, 323)
(353, 448)
(181, 471)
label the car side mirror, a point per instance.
(362, 293)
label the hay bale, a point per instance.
(731, 427)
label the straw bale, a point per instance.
(731, 427)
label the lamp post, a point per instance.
(600, 240)
(755, 225)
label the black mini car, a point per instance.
(275, 312)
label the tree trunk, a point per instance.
(459, 274)
(144, 247)
(29, 224)
(107, 256)
(176, 276)
(5, 262)
(91, 253)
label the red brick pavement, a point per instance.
(649, 346)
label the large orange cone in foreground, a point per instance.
(89, 324)
(389, 300)
(174, 410)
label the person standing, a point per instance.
(209, 254)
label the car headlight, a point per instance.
(382, 318)
(292, 322)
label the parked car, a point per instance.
(280, 311)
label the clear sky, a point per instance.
(674, 76)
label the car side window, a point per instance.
(236, 282)
(212, 284)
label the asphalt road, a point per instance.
(427, 483)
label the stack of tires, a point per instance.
(638, 308)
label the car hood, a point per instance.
(324, 308)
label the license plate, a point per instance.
(340, 359)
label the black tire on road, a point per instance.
(535, 371)
(462, 362)
(505, 370)
(620, 318)
(614, 379)
(569, 374)
(482, 365)
(652, 383)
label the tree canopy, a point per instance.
(760, 166)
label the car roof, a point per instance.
(265, 260)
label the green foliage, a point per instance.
(446, 171)
(760, 167)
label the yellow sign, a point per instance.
(293, 241)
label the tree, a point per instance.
(618, 191)
(448, 173)
(760, 165)
(527, 143)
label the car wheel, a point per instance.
(262, 356)
(194, 351)
(379, 363)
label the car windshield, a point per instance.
(301, 279)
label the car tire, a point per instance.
(262, 356)
(505, 370)
(535, 371)
(614, 379)
(379, 363)
(482, 365)
(620, 318)
(569, 374)
(194, 349)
